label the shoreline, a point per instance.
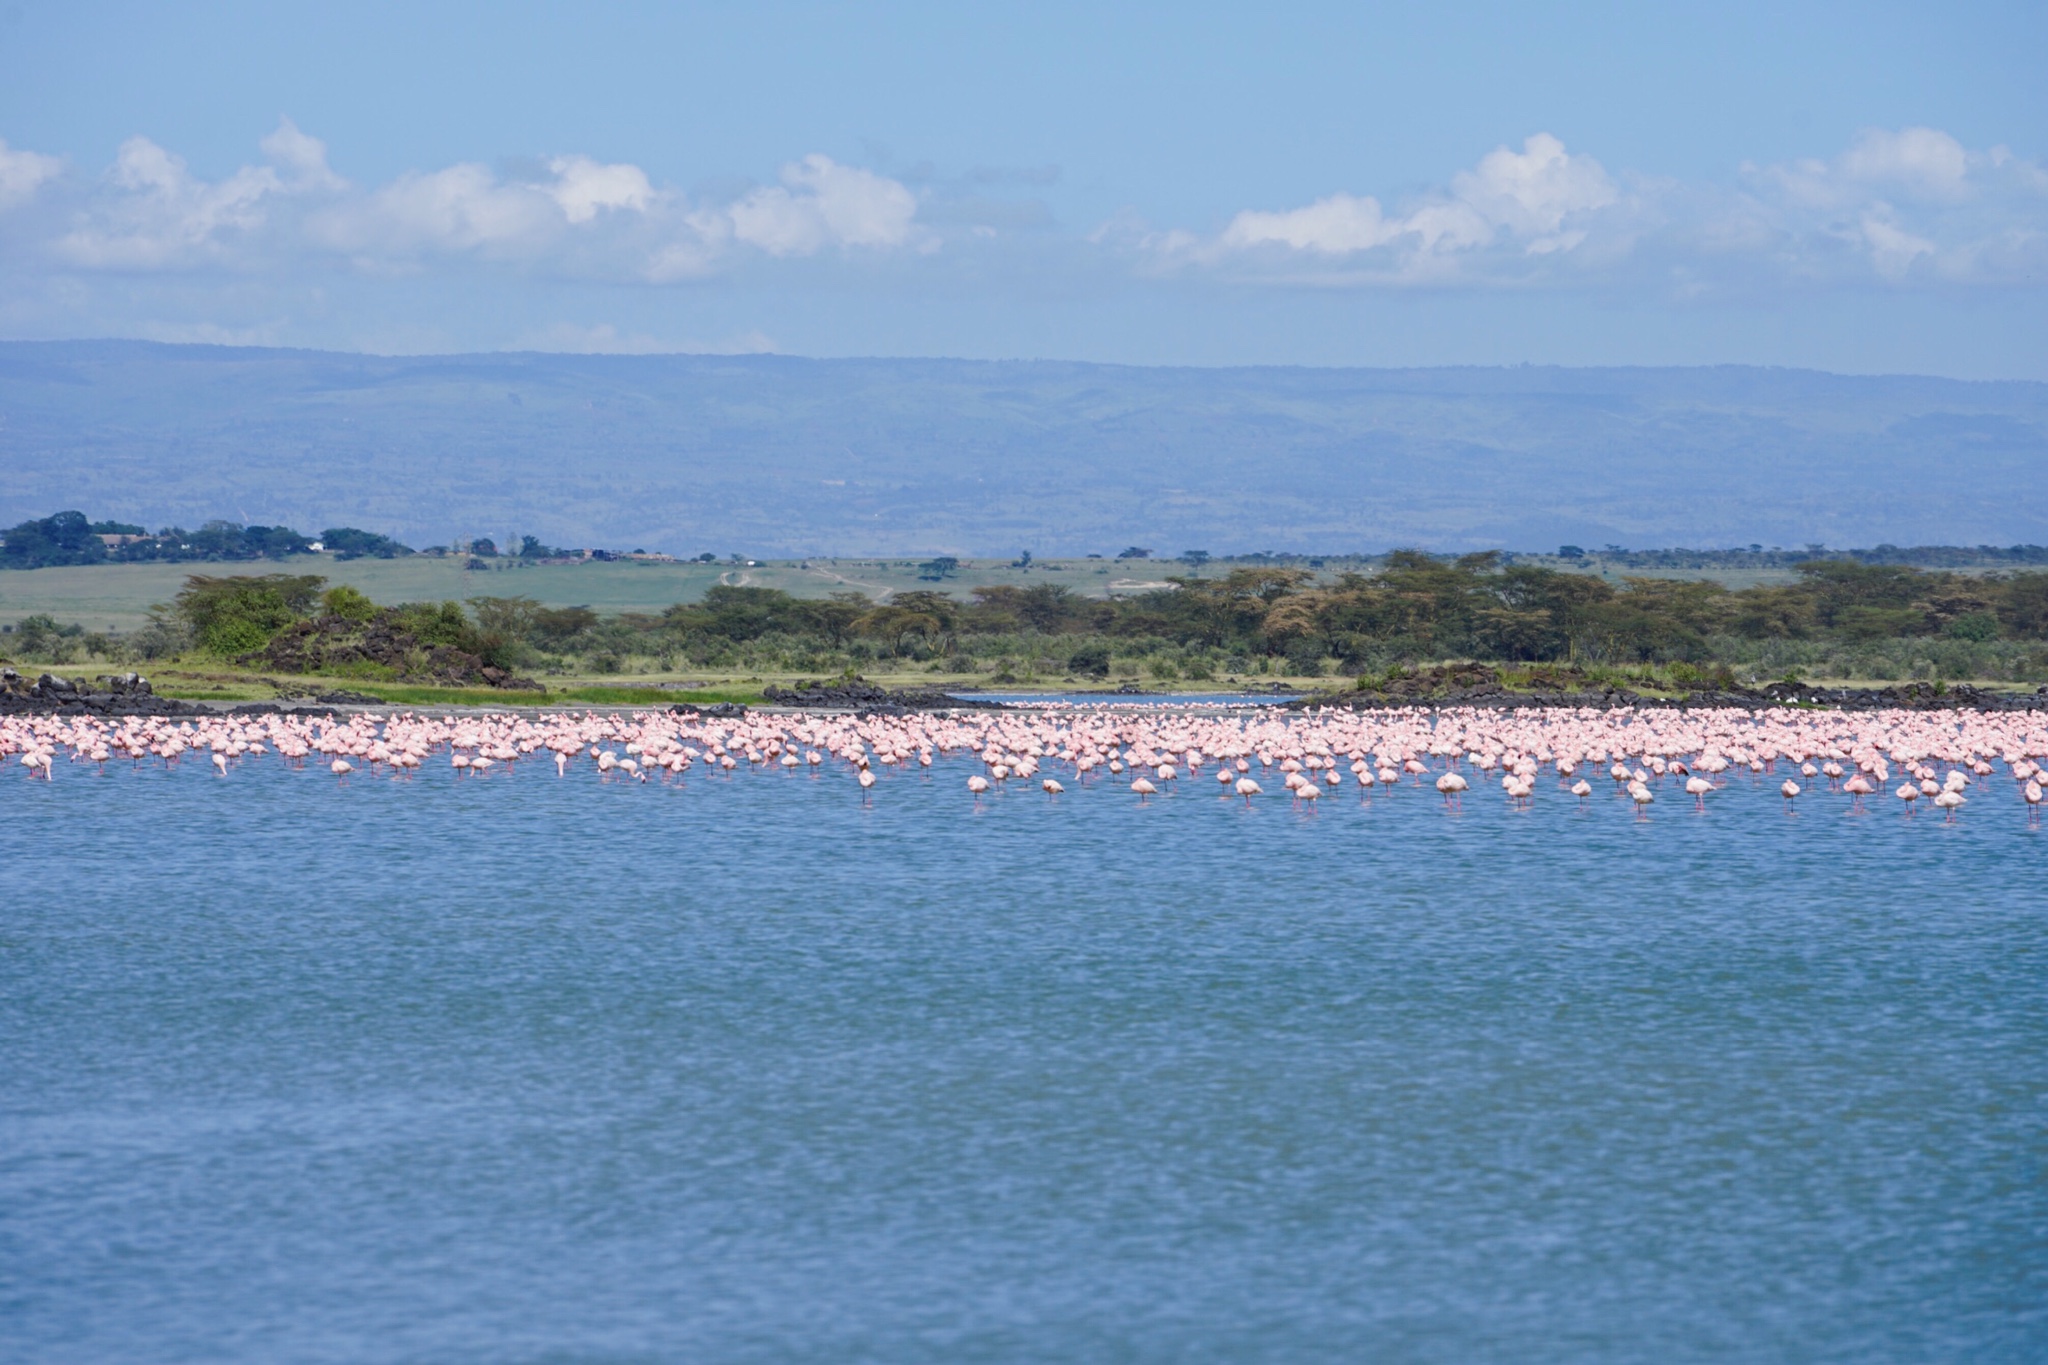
(137, 699)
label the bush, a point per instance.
(347, 603)
(1305, 656)
(166, 635)
(233, 616)
(40, 638)
(1090, 661)
(1977, 626)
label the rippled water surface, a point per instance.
(540, 1069)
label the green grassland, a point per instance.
(117, 597)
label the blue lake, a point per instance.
(531, 1069)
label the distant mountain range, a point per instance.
(773, 455)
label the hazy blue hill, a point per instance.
(777, 455)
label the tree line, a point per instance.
(1417, 607)
(1897, 620)
(70, 538)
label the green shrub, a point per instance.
(40, 638)
(233, 616)
(1305, 656)
(1091, 660)
(1977, 626)
(347, 603)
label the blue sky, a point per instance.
(1851, 187)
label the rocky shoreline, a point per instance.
(130, 694)
(1482, 687)
(858, 694)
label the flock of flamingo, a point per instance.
(1939, 758)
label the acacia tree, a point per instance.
(231, 616)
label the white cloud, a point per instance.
(1892, 249)
(822, 203)
(22, 173)
(157, 213)
(1895, 207)
(1911, 205)
(583, 187)
(1523, 199)
(458, 209)
(1334, 226)
(1920, 160)
(305, 158)
(1912, 163)
(1533, 192)
(573, 215)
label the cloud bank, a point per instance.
(1896, 209)
(1904, 207)
(567, 214)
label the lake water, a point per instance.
(530, 1069)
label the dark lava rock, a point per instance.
(858, 694)
(1477, 685)
(724, 710)
(328, 643)
(124, 694)
(498, 677)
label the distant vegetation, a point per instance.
(1840, 618)
(1757, 557)
(70, 538)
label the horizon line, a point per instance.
(771, 356)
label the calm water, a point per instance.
(539, 1070)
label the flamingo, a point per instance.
(1247, 788)
(1144, 789)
